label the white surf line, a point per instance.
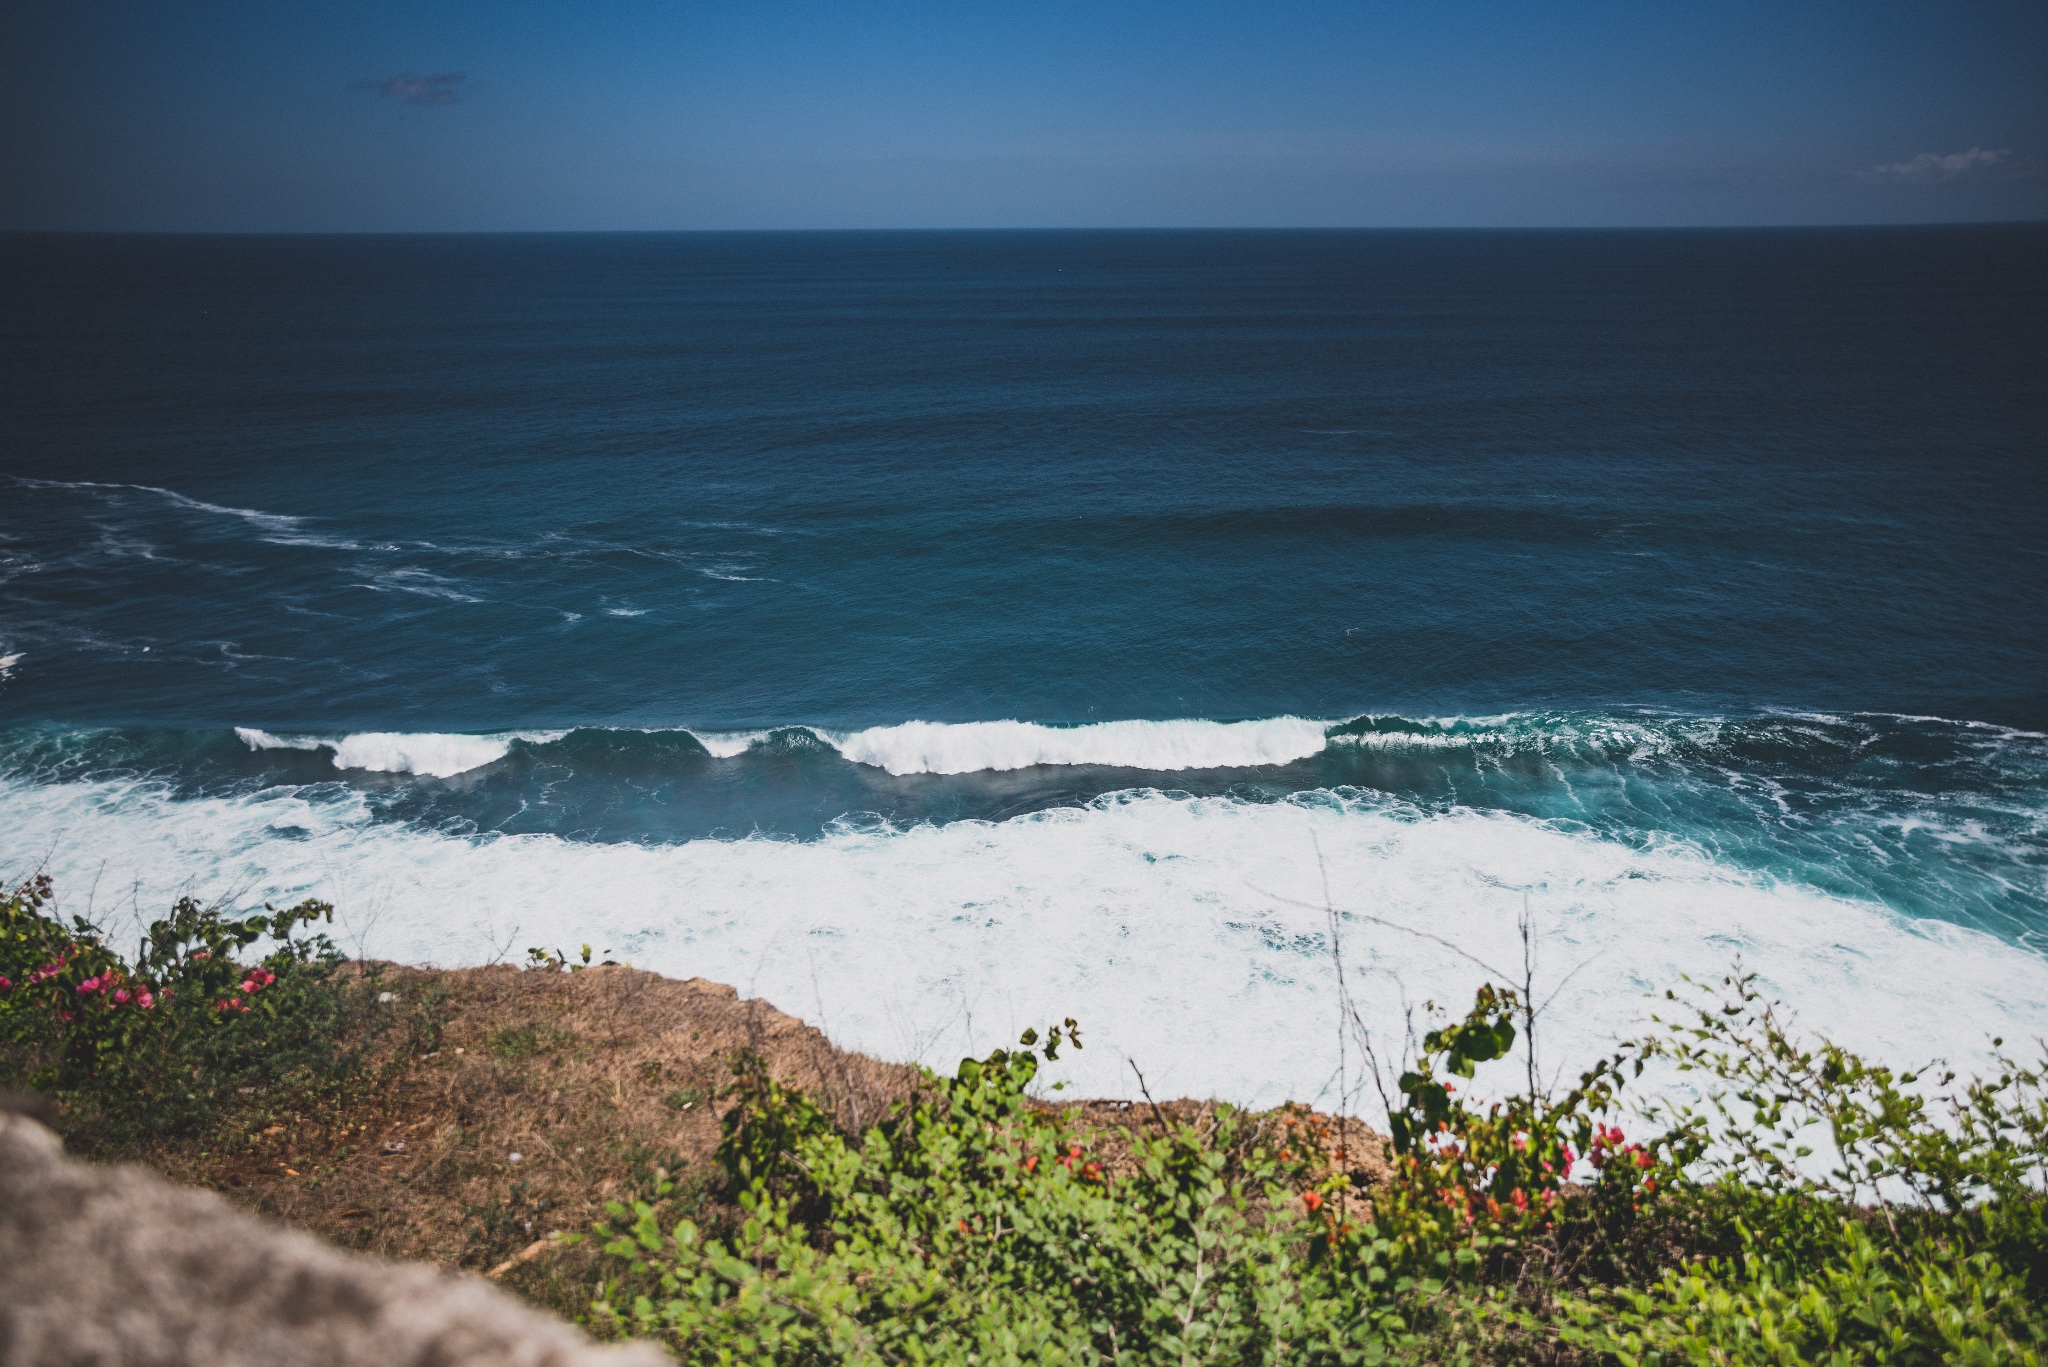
(920, 747)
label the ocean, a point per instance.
(941, 633)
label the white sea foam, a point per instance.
(7, 664)
(1152, 919)
(727, 744)
(392, 752)
(921, 747)
(325, 543)
(437, 755)
(277, 522)
(264, 740)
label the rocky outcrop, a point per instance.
(107, 1266)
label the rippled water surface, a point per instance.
(937, 631)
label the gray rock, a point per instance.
(102, 1266)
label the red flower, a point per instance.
(1521, 1201)
(6, 984)
(1031, 1163)
(1313, 1200)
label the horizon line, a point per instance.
(991, 230)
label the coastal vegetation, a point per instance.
(719, 1179)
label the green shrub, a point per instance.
(1812, 1208)
(1867, 1219)
(164, 1042)
(976, 1226)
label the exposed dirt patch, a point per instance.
(549, 1094)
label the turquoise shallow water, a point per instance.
(930, 628)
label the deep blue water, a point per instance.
(1729, 548)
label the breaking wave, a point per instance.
(921, 747)
(910, 748)
(393, 752)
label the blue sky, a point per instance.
(625, 114)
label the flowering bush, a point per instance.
(162, 1041)
(1473, 1182)
(1856, 1213)
(977, 1226)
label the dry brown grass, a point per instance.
(594, 1079)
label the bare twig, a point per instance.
(1146, 1092)
(1343, 994)
(1370, 919)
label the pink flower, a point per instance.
(1521, 1201)
(6, 984)
(121, 997)
(146, 1001)
(90, 985)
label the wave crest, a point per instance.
(952, 748)
(921, 747)
(433, 754)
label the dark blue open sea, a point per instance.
(934, 632)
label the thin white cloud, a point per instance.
(436, 89)
(1933, 168)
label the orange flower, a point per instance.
(1313, 1200)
